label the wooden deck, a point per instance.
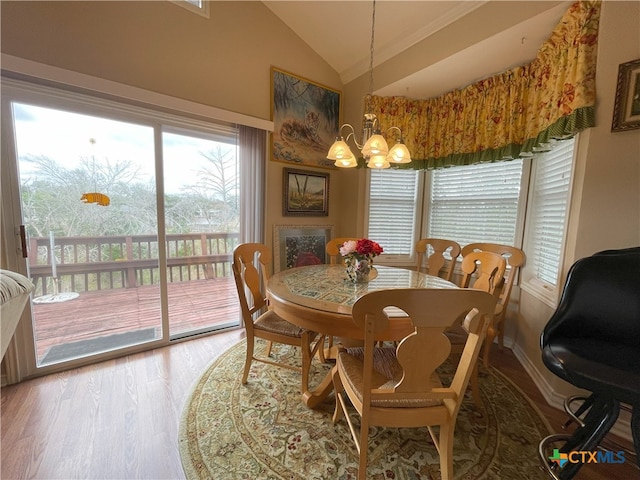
(193, 305)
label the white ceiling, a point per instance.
(340, 32)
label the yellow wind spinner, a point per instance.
(95, 197)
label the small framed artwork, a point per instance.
(626, 110)
(306, 120)
(295, 246)
(305, 193)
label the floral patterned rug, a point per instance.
(262, 430)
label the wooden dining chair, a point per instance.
(515, 259)
(399, 387)
(250, 271)
(436, 263)
(333, 248)
(481, 271)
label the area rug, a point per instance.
(263, 431)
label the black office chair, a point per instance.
(593, 342)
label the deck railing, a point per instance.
(83, 264)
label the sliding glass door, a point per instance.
(88, 203)
(202, 221)
(119, 256)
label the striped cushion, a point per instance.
(13, 284)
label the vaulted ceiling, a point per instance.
(340, 32)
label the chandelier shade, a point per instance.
(378, 161)
(374, 148)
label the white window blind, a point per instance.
(549, 196)
(475, 203)
(393, 200)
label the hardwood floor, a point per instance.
(119, 419)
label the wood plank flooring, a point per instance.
(119, 419)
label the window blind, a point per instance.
(475, 203)
(393, 199)
(548, 209)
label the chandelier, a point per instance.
(374, 147)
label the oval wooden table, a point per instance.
(320, 297)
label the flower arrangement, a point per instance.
(358, 256)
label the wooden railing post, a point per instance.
(132, 280)
(208, 267)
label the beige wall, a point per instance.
(224, 62)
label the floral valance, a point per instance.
(510, 114)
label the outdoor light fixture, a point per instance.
(374, 147)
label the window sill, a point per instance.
(542, 292)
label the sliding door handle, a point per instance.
(23, 242)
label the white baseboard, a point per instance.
(622, 428)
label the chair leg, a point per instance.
(488, 341)
(338, 390)
(306, 360)
(364, 448)
(597, 422)
(445, 443)
(501, 338)
(269, 345)
(475, 387)
(248, 360)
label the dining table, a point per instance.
(320, 297)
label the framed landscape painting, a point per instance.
(305, 193)
(626, 109)
(295, 246)
(306, 120)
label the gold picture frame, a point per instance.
(626, 110)
(306, 120)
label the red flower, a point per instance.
(364, 246)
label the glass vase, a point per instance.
(358, 271)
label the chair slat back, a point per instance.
(488, 269)
(437, 261)
(423, 351)
(333, 248)
(250, 271)
(515, 258)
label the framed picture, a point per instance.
(305, 193)
(626, 110)
(295, 246)
(306, 120)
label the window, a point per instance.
(201, 7)
(485, 202)
(546, 219)
(394, 194)
(476, 203)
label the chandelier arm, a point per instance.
(395, 128)
(351, 134)
(349, 126)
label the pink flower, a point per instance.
(348, 247)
